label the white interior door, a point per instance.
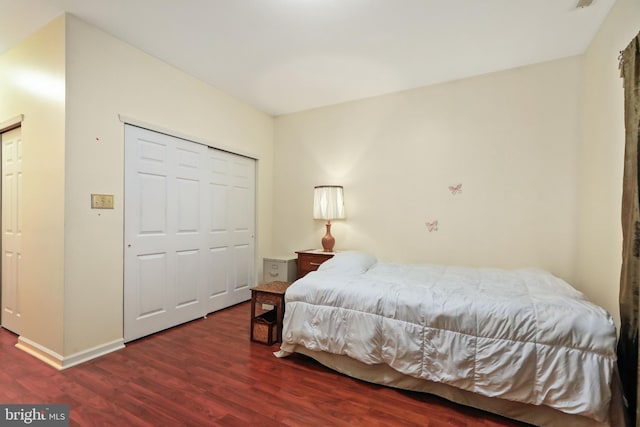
(186, 253)
(11, 228)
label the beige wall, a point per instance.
(32, 83)
(107, 77)
(510, 138)
(539, 151)
(601, 158)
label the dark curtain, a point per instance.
(630, 274)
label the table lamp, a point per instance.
(328, 203)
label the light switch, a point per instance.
(102, 201)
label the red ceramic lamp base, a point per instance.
(328, 242)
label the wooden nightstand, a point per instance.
(267, 327)
(311, 259)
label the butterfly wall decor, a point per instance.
(455, 189)
(432, 226)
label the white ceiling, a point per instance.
(284, 56)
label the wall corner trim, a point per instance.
(60, 362)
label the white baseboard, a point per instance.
(40, 352)
(61, 362)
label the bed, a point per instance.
(520, 343)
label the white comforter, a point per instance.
(520, 335)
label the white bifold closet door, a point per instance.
(189, 230)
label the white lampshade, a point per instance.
(328, 202)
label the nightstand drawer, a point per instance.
(310, 264)
(309, 261)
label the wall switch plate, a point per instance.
(102, 201)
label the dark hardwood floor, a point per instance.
(208, 373)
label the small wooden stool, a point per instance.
(267, 327)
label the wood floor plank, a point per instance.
(208, 373)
